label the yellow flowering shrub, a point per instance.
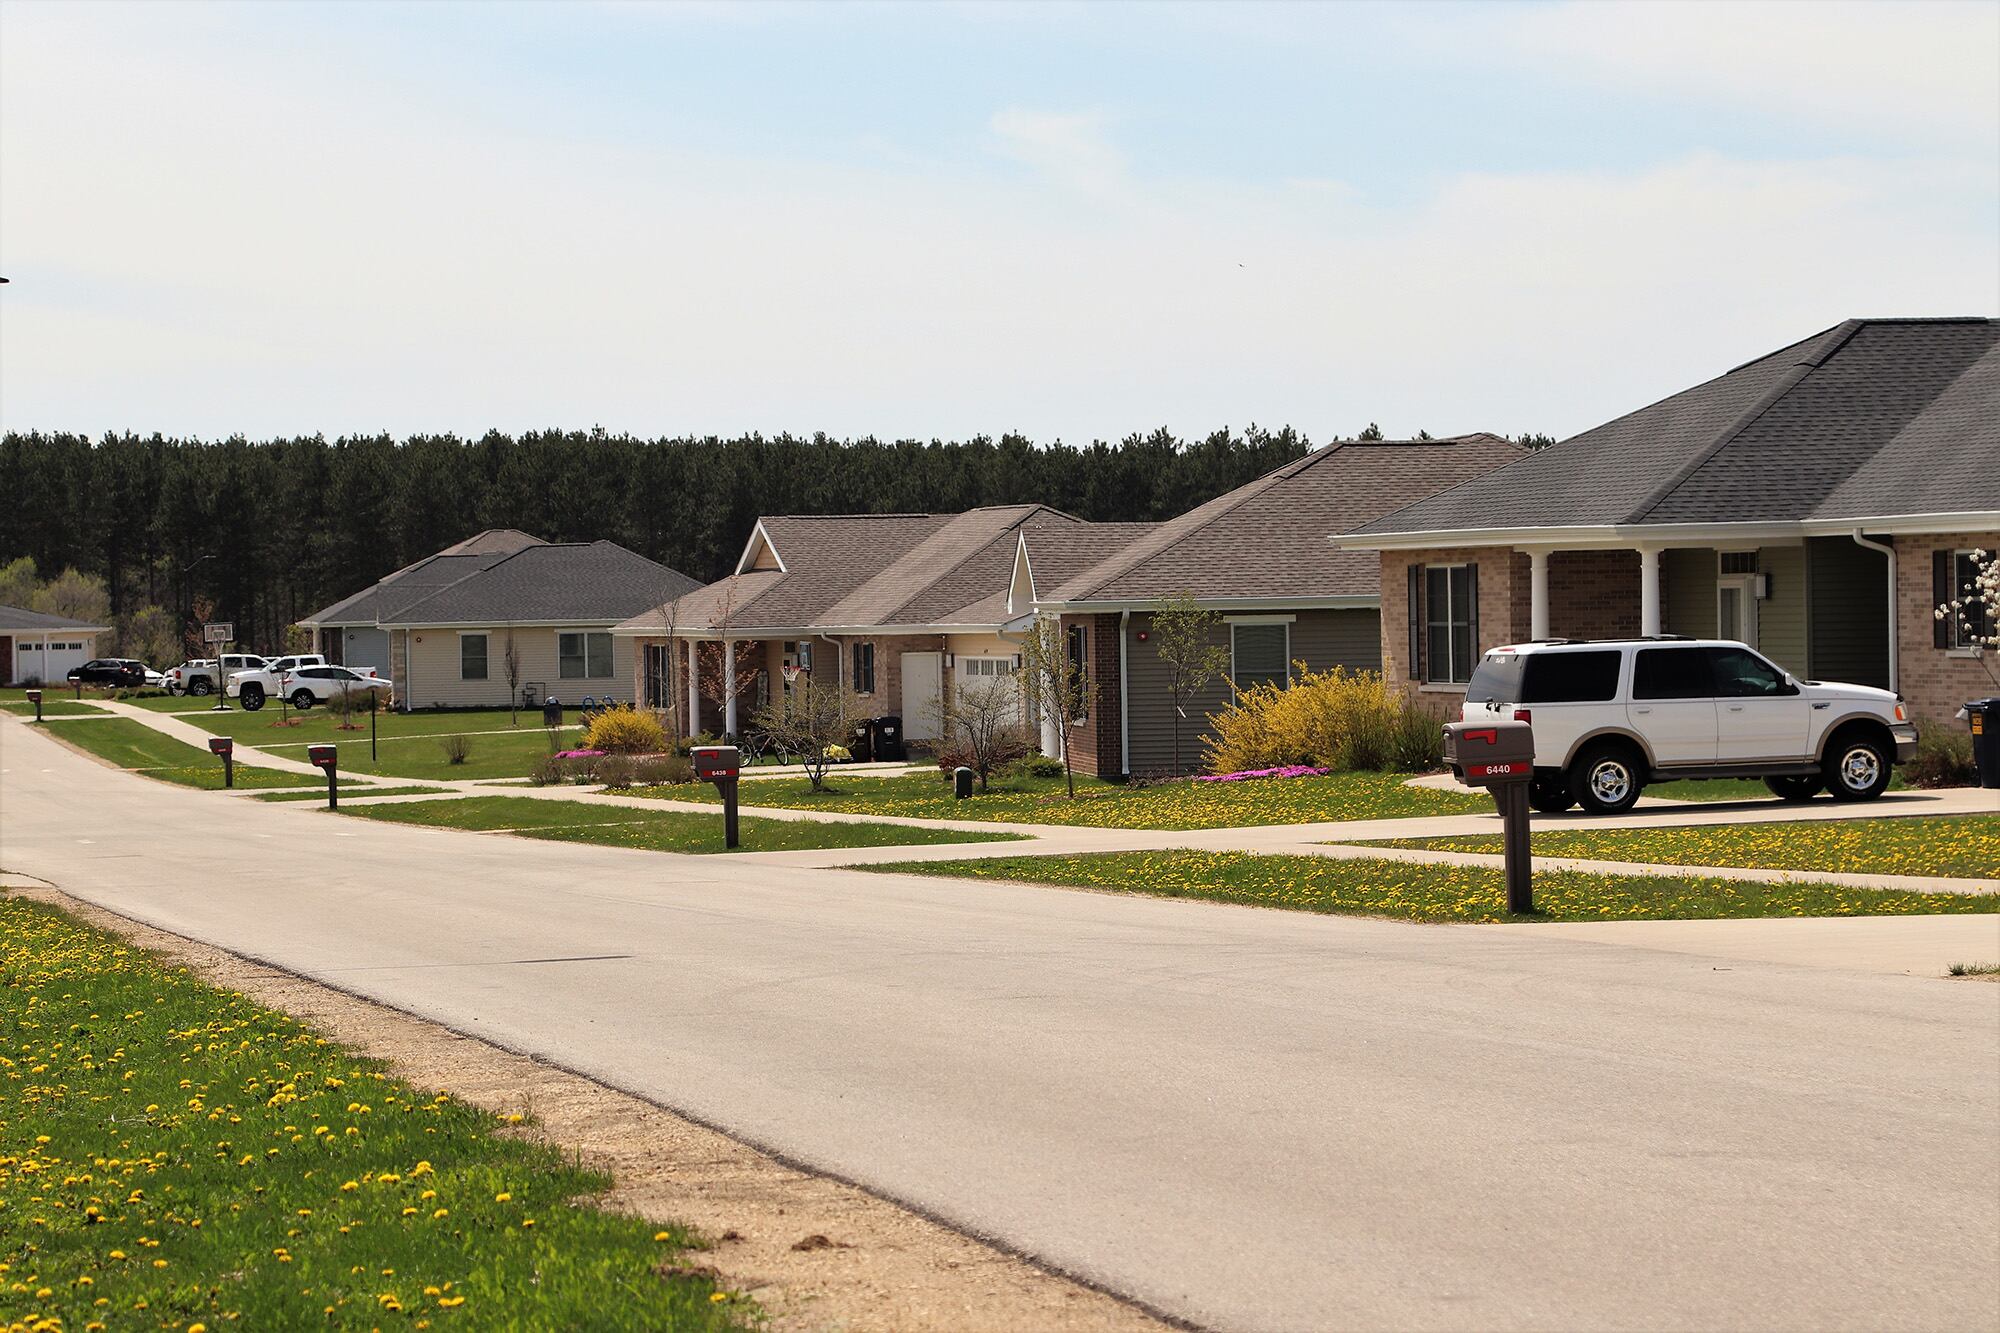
(624, 730)
(1325, 719)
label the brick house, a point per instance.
(1816, 503)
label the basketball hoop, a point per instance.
(792, 675)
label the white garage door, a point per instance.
(52, 668)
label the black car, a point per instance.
(109, 671)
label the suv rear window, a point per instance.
(1571, 678)
(1496, 680)
(1672, 673)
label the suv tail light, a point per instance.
(1524, 715)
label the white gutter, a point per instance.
(1124, 698)
(1890, 552)
(839, 662)
(1353, 602)
(1624, 535)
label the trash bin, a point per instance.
(861, 744)
(552, 712)
(1984, 715)
(889, 740)
(961, 782)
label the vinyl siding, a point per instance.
(1781, 617)
(363, 647)
(1847, 619)
(431, 679)
(1687, 591)
(1320, 639)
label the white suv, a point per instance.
(1611, 716)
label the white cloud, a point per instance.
(1069, 149)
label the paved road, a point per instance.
(1249, 1119)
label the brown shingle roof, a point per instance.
(1266, 539)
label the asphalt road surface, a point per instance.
(1247, 1119)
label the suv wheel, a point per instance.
(1550, 794)
(1794, 789)
(1605, 779)
(251, 697)
(198, 686)
(302, 699)
(1857, 768)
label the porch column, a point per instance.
(729, 687)
(694, 689)
(1538, 594)
(1649, 591)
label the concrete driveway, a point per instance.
(1245, 1118)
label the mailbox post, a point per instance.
(721, 764)
(225, 749)
(327, 757)
(35, 698)
(1500, 756)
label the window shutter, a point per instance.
(1472, 613)
(1941, 592)
(1416, 573)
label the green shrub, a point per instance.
(1943, 758)
(1035, 766)
(549, 771)
(614, 770)
(663, 770)
(625, 730)
(1325, 719)
(457, 749)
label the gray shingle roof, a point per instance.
(502, 576)
(1870, 418)
(1263, 539)
(15, 618)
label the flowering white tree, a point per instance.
(1975, 611)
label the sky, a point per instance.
(1073, 222)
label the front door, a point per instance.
(923, 696)
(1735, 610)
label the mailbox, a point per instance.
(1500, 756)
(322, 755)
(716, 761)
(34, 696)
(221, 746)
(1487, 754)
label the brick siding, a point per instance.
(1592, 594)
(1096, 742)
(1503, 613)
(1934, 680)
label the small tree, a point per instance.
(510, 662)
(1056, 684)
(809, 720)
(1974, 610)
(1184, 637)
(985, 718)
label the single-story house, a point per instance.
(39, 649)
(441, 628)
(894, 609)
(1282, 598)
(1816, 503)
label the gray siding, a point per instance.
(365, 647)
(1847, 616)
(1781, 617)
(1320, 639)
(1687, 591)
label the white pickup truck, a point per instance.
(199, 677)
(1612, 715)
(263, 678)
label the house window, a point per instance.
(1260, 654)
(584, 656)
(1450, 597)
(1739, 562)
(472, 657)
(1078, 643)
(864, 668)
(1971, 625)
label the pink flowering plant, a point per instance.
(1286, 771)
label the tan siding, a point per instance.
(431, 677)
(1781, 617)
(1687, 591)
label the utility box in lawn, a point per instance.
(721, 765)
(1500, 756)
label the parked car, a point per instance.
(198, 675)
(121, 671)
(267, 673)
(155, 680)
(311, 685)
(1611, 716)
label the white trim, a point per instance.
(1256, 621)
(1625, 535)
(586, 676)
(1424, 587)
(1023, 571)
(487, 635)
(1355, 602)
(758, 534)
(1744, 584)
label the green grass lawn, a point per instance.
(658, 831)
(178, 1156)
(1174, 805)
(1417, 892)
(134, 745)
(408, 745)
(1734, 789)
(51, 707)
(1954, 845)
(349, 792)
